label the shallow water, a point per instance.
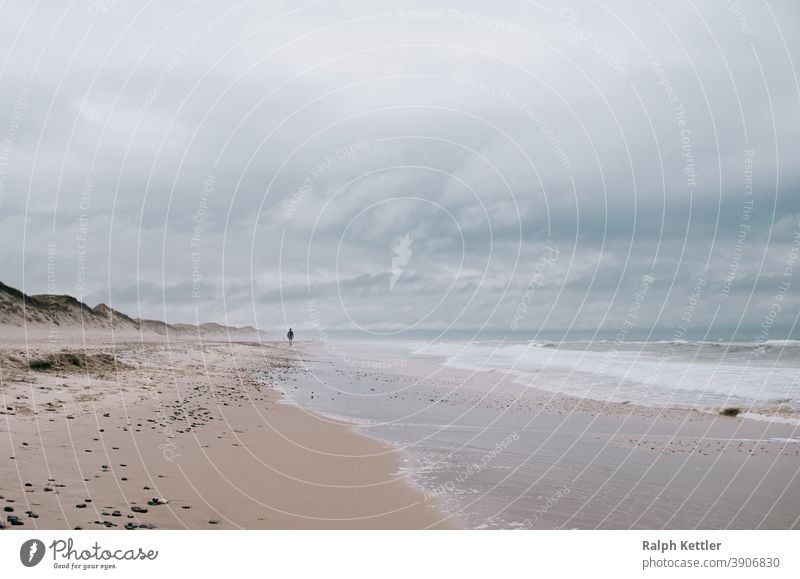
(491, 458)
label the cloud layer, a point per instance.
(249, 164)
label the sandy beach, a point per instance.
(209, 433)
(186, 434)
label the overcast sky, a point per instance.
(371, 165)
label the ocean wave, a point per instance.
(646, 373)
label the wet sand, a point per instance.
(182, 435)
(499, 454)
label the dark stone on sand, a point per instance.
(186, 507)
(47, 490)
(28, 485)
(116, 514)
(146, 488)
(132, 526)
(139, 509)
(8, 509)
(14, 520)
(80, 506)
(124, 478)
(213, 522)
(109, 524)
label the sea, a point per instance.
(491, 461)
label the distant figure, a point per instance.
(290, 335)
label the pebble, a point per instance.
(131, 526)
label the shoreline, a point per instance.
(627, 466)
(190, 429)
(775, 412)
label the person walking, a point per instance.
(290, 335)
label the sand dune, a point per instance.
(43, 312)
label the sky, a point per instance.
(384, 168)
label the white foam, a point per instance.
(649, 373)
(771, 418)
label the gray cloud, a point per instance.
(233, 162)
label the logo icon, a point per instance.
(402, 253)
(32, 552)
